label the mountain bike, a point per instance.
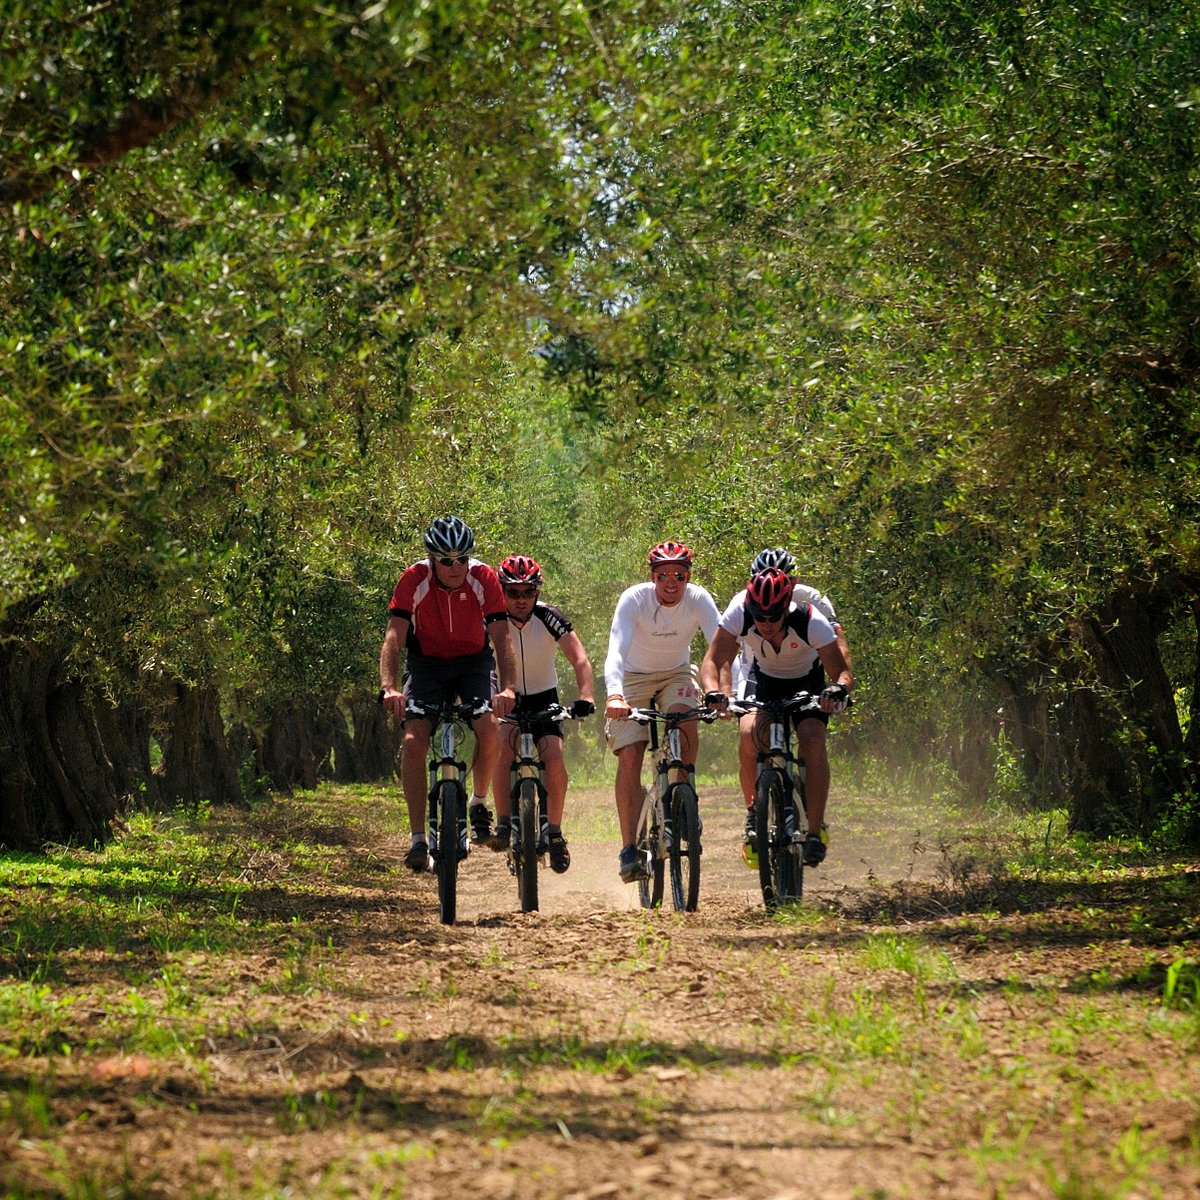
(527, 844)
(780, 807)
(669, 825)
(447, 813)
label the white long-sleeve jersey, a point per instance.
(649, 637)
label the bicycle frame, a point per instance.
(528, 799)
(780, 805)
(447, 804)
(669, 818)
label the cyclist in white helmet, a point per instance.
(448, 613)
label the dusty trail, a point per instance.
(596, 1050)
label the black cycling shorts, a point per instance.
(760, 686)
(437, 681)
(535, 702)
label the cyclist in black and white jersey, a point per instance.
(794, 648)
(537, 631)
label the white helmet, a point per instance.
(449, 535)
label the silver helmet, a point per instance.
(449, 535)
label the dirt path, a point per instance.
(878, 1043)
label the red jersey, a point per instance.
(445, 624)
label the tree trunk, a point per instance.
(58, 782)
(197, 766)
(125, 731)
(377, 740)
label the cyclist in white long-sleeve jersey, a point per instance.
(649, 660)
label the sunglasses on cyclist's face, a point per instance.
(524, 593)
(460, 561)
(767, 618)
(663, 576)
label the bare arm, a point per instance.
(389, 664)
(576, 655)
(506, 667)
(836, 666)
(714, 670)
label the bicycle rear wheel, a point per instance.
(649, 844)
(778, 862)
(683, 853)
(452, 800)
(527, 856)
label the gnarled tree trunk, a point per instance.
(197, 766)
(58, 784)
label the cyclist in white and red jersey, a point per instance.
(538, 631)
(649, 660)
(448, 612)
(802, 593)
(792, 645)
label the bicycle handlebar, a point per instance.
(556, 712)
(448, 711)
(644, 716)
(799, 703)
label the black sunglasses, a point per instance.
(521, 593)
(758, 614)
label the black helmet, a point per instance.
(449, 535)
(778, 558)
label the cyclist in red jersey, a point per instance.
(448, 613)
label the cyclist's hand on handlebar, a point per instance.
(503, 702)
(616, 709)
(717, 701)
(582, 708)
(393, 701)
(835, 698)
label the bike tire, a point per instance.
(453, 802)
(527, 856)
(778, 864)
(683, 855)
(649, 842)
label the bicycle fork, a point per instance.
(443, 773)
(526, 766)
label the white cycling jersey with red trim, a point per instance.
(448, 624)
(802, 594)
(806, 630)
(648, 637)
(534, 646)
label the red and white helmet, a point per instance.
(518, 569)
(670, 552)
(769, 594)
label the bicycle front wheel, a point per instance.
(527, 856)
(649, 844)
(683, 851)
(453, 801)
(778, 860)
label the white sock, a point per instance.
(418, 838)
(479, 800)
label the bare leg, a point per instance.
(501, 776)
(551, 750)
(414, 753)
(810, 746)
(629, 789)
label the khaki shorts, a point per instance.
(665, 688)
